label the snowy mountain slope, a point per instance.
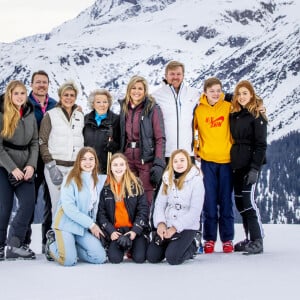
(112, 40)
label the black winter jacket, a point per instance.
(97, 136)
(250, 140)
(137, 208)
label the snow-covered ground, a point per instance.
(272, 275)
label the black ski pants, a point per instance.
(25, 192)
(175, 251)
(138, 250)
(246, 205)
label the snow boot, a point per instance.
(50, 235)
(209, 247)
(14, 250)
(228, 247)
(240, 246)
(198, 242)
(254, 247)
(2, 256)
(26, 247)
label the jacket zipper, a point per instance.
(175, 95)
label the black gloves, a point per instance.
(251, 177)
(228, 97)
(14, 182)
(157, 240)
(110, 146)
(124, 242)
(156, 174)
(109, 132)
(157, 171)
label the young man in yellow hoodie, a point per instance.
(212, 148)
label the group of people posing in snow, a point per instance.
(155, 181)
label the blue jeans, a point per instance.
(69, 247)
(218, 201)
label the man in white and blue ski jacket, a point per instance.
(177, 102)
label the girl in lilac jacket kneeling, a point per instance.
(177, 211)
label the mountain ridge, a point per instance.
(255, 40)
(111, 41)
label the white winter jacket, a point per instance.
(181, 208)
(60, 138)
(178, 112)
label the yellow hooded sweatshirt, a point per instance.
(212, 124)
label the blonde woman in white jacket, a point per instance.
(177, 211)
(60, 139)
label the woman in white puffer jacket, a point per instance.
(177, 211)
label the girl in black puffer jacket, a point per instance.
(123, 212)
(248, 126)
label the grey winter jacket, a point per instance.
(181, 208)
(26, 135)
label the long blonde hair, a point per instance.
(11, 115)
(170, 171)
(253, 105)
(130, 184)
(75, 172)
(132, 82)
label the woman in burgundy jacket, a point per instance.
(143, 135)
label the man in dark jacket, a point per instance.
(42, 103)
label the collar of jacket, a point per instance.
(194, 171)
(90, 118)
(100, 118)
(172, 87)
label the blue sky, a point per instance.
(19, 18)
